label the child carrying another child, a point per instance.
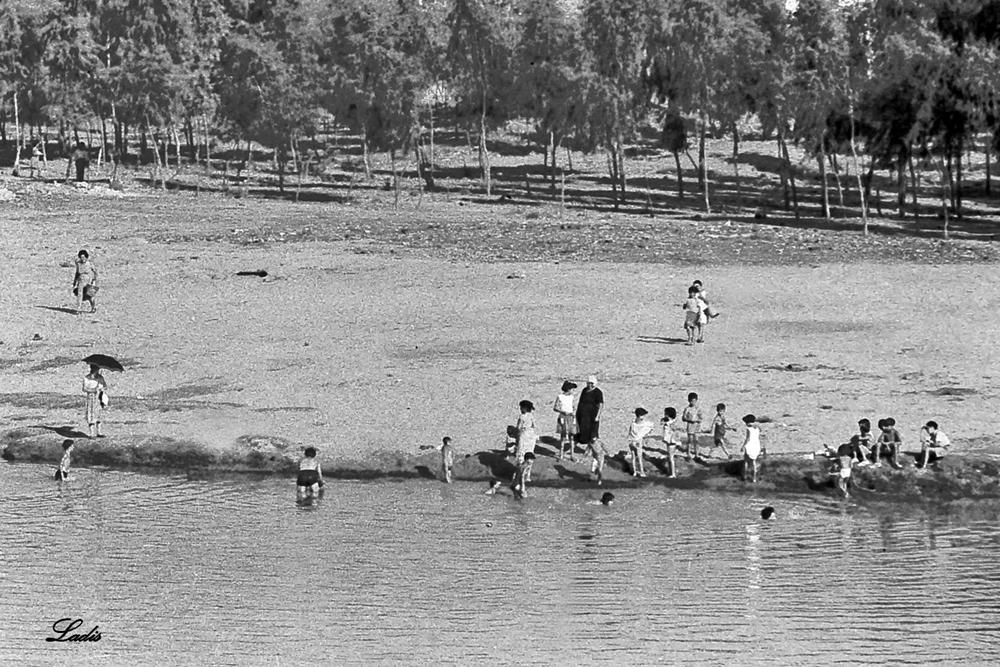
(637, 431)
(310, 477)
(693, 316)
(752, 447)
(527, 436)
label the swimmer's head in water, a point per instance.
(607, 498)
(767, 512)
(310, 452)
(67, 444)
(529, 457)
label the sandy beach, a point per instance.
(361, 344)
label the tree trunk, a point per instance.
(784, 174)
(914, 187)
(680, 176)
(791, 175)
(862, 190)
(158, 167)
(395, 178)
(703, 164)
(364, 153)
(612, 168)
(822, 175)
(945, 191)
(988, 153)
(950, 173)
(552, 166)
(17, 137)
(430, 160)
(901, 186)
(620, 154)
(736, 168)
(835, 165)
(958, 181)
(484, 153)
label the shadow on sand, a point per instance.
(59, 309)
(66, 431)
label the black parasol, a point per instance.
(104, 361)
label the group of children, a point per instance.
(864, 449)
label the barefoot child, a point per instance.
(889, 442)
(522, 476)
(693, 307)
(692, 419)
(669, 439)
(933, 444)
(845, 459)
(310, 477)
(637, 431)
(447, 456)
(62, 472)
(566, 421)
(719, 428)
(527, 437)
(752, 448)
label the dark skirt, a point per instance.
(587, 428)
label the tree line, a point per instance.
(909, 86)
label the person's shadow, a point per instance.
(64, 431)
(59, 309)
(660, 339)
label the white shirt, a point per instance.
(564, 403)
(752, 445)
(639, 430)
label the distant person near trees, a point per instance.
(81, 160)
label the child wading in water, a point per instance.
(566, 421)
(447, 456)
(527, 437)
(62, 472)
(637, 431)
(752, 448)
(523, 476)
(310, 477)
(719, 428)
(692, 419)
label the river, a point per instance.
(231, 571)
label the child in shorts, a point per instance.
(566, 421)
(693, 307)
(934, 444)
(637, 431)
(669, 439)
(719, 428)
(310, 477)
(865, 441)
(62, 472)
(752, 447)
(889, 442)
(692, 419)
(522, 476)
(845, 459)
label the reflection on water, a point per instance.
(232, 571)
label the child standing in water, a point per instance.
(719, 428)
(310, 477)
(752, 447)
(62, 472)
(692, 419)
(522, 476)
(669, 439)
(637, 431)
(527, 437)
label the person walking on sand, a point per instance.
(527, 436)
(447, 457)
(85, 282)
(565, 421)
(94, 387)
(752, 448)
(62, 472)
(692, 419)
(637, 432)
(310, 478)
(81, 160)
(588, 412)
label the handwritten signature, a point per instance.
(64, 626)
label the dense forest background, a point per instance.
(908, 87)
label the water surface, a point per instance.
(233, 572)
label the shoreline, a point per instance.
(956, 477)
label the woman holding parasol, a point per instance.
(95, 389)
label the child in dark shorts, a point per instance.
(310, 477)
